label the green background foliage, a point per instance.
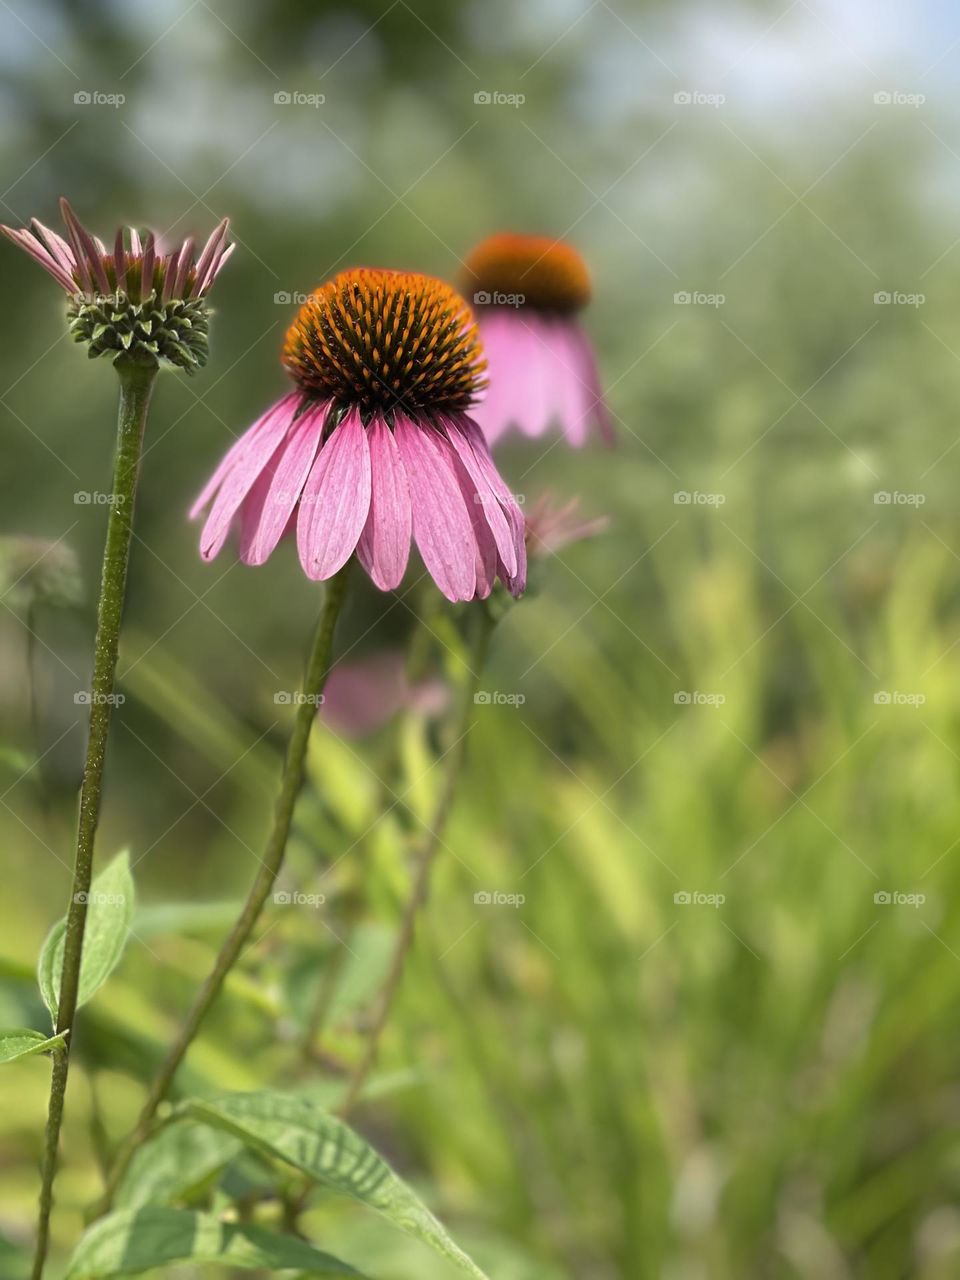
(602, 1081)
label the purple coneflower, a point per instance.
(375, 445)
(542, 370)
(137, 298)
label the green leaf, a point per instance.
(134, 1240)
(109, 913)
(296, 1130)
(20, 1044)
(175, 1164)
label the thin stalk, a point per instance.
(291, 781)
(136, 387)
(424, 860)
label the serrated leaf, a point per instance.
(134, 1240)
(109, 914)
(294, 1129)
(174, 1164)
(22, 1043)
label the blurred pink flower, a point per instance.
(375, 445)
(551, 526)
(543, 373)
(362, 696)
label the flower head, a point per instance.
(552, 525)
(138, 298)
(375, 445)
(527, 291)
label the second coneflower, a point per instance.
(375, 445)
(527, 291)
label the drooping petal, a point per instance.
(240, 471)
(335, 500)
(284, 484)
(442, 526)
(483, 493)
(590, 375)
(497, 484)
(31, 245)
(241, 448)
(384, 546)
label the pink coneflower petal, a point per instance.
(591, 377)
(292, 467)
(335, 500)
(494, 479)
(57, 246)
(384, 546)
(442, 526)
(211, 258)
(245, 449)
(258, 447)
(84, 244)
(148, 265)
(31, 245)
(183, 266)
(484, 494)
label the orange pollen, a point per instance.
(385, 340)
(534, 271)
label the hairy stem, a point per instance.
(291, 781)
(136, 388)
(423, 860)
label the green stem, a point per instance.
(424, 859)
(318, 668)
(136, 388)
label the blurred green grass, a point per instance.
(605, 1082)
